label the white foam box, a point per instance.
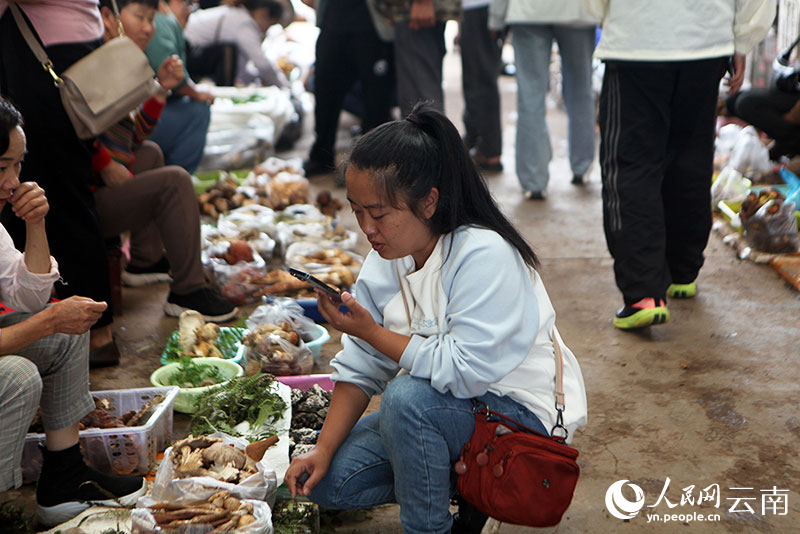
(117, 451)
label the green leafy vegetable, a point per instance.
(242, 399)
(14, 520)
(190, 372)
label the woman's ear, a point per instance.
(430, 203)
(110, 24)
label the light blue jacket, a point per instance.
(479, 319)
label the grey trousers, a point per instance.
(52, 373)
(418, 56)
(158, 206)
(480, 66)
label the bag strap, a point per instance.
(559, 385)
(559, 395)
(33, 43)
(788, 52)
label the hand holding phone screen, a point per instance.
(316, 283)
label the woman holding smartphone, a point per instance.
(449, 295)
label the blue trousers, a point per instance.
(405, 452)
(533, 44)
(181, 132)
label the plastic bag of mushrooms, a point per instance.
(195, 468)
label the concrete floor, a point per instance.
(710, 398)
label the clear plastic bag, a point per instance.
(241, 284)
(724, 143)
(142, 521)
(749, 155)
(287, 189)
(278, 310)
(730, 186)
(273, 165)
(773, 228)
(220, 271)
(314, 258)
(167, 487)
(246, 219)
(278, 357)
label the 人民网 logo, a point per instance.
(618, 505)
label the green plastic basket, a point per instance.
(230, 351)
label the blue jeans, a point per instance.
(405, 452)
(181, 132)
(532, 46)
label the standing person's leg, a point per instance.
(690, 164)
(375, 63)
(634, 125)
(418, 59)
(59, 162)
(334, 74)
(576, 46)
(532, 46)
(181, 132)
(481, 64)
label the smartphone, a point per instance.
(316, 283)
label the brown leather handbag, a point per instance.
(102, 87)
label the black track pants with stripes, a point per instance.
(657, 125)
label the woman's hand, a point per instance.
(115, 174)
(29, 203)
(357, 321)
(314, 463)
(74, 315)
(204, 96)
(170, 74)
(737, 73)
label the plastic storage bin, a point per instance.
(119, 451)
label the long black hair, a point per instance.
(10, 118)
(407, 158)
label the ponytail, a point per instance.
(410, 157)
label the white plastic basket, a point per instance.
(120, 451)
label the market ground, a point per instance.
(709, 399)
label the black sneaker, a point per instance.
(313, 167)
(468, 520)
(205, 300)
(578, 179)
(646, 312)
(134, 276)
(67, 487)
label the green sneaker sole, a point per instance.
(682, 291)
(643, 318)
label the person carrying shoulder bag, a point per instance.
(57, 160)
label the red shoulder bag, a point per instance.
(515, 474)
